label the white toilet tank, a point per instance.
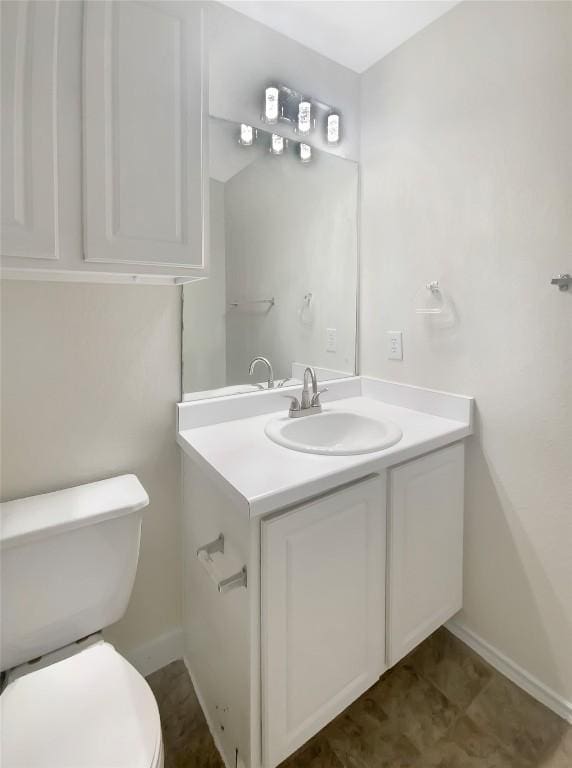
(67, 564)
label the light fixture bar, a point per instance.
(284, 104)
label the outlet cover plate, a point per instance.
(394, 345)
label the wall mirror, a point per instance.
(283, 251)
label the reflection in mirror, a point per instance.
(283, 266)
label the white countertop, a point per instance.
(229, 442)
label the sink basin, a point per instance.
(333, 433)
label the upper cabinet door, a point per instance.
(143, 133)
(425, 548)
(29, 129)
(323, 605)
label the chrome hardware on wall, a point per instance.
(235, 304)
(234, 581)
(306, 311)
(433, 301)
(212, 547)
(229, 583)
(562, 281)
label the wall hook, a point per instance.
(563, 281)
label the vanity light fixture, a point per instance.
(246, 135)
(276, 144)
(305, 153)
(304, 117)
(303, 114)
(271, 105)
(333, 128)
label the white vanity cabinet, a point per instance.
(30, 131)
(322, 612)
(143, 107)
(339, 588)
(103, 108)
(425, 547)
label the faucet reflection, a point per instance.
(268, 364)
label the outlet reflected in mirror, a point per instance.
(283, 266)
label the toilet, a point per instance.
(67, 566)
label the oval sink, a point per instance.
(334, 433)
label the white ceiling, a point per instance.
(355, 33)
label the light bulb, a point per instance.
(304, 117)
(276, 144)
(246, 135)
(305, 153)
(271, 105)
(333, 129)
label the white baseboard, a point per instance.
(157, 653)
(212, 729)
(513, 671)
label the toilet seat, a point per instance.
(89, 710)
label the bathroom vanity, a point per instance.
(308, 575)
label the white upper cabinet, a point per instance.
(143, 107)
(323, 612)
(29, 130)
(103, 142)
(425, 550)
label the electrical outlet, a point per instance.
(331, 340)
(394, 345)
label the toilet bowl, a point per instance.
(89, 709)
(67, 564)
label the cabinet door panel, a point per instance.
(143, 118)
(425, 552)
(323, 572)
(29, 129)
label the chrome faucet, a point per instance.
(268, 364)
(309, 375)
(310, 403)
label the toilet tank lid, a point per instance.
(49, 513)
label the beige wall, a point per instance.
(467, 178)
(90, 378)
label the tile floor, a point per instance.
(441, 707)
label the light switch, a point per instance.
(394, 345)
(331, 340)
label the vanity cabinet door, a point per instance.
(143, 134)
(323, 605)
(425, 547)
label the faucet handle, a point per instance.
(295, 406)
(315, 402)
